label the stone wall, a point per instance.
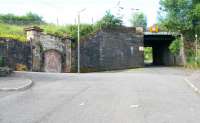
(15, 52)
(110, 49)
(90, 53)
(61, 46)
(49, 50)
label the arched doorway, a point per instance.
(52, 61)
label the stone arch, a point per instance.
(52, 61)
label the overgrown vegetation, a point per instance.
(181, 16)
(21, 38)
(12, 26)
(109, 20)
(148, 57)
(12, 32)
(175, 46)
(68, 30)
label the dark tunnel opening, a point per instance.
(160, 48)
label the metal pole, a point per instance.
(79, 42)
(79, 39)
(57, 21)
(196, 49)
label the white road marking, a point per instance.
(82, 104)
(192, 86)
(134, 106)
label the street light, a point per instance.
(196, 49)
(135, 9)
(78, 33)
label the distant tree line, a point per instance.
(29, 18)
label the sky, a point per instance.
(65, 11)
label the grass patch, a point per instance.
(21, 38)
(12, 32)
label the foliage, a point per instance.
(11, 26)
(176, 14)
(191, 62)
(12, 31)
(196, 17)
(109, 20)
(85, 29)
(29, 18)
(162, 27)
(148, 54)
(139, 20)
(175, 46)
(68, 30)
(21, 38)
(181, 16)
(195, 1)
(196, 11)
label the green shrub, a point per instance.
(148, 54)
(175, 46)
(191, 61)
(109, 20)
(69, 30)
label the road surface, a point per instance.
(150, 95)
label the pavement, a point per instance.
(194, 81)
(14, 83)
(150, 95)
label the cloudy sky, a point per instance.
(66, 10)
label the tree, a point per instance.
(34, 18)
(196, 17)
(139, 20)
(176, 14)
(109, 20)
(181, 16)
(196, 1)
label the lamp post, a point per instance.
(78, 34)
(134, 9)
(196, 48)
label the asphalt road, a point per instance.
(151, 95)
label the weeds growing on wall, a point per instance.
(68, 30)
